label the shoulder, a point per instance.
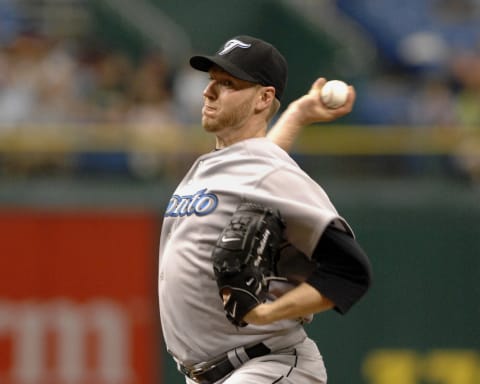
(264, 146)
(259, 155)
(264, 150)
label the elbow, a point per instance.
(364, 278)
(368, 275)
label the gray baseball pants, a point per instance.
(301, 363)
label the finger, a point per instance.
(226, 293)
(350, 98)
(351, 95)
(348, 106)
(317, 85)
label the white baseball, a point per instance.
(334, 93)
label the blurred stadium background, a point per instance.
(99, 120)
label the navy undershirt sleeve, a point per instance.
(343, 272)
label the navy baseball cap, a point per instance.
(248, 58)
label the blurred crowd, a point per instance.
(54, 83)
(429, 61)
(449, 99)
(50, 80)
(428, 72)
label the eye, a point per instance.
(226, 83)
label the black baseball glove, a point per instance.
(245, 256)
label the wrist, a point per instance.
(260, 315)
(293, 115)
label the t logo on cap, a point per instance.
(232, 44)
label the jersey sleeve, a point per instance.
(303, 204)
(343, 272)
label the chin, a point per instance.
(209, 125)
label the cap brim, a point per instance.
(204, 63)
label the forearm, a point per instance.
(287, 128)
(304, 111)
(301, 301)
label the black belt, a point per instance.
(212, 371)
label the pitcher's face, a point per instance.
(228, 102)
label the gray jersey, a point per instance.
(194, 325)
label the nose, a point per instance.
(210, 90)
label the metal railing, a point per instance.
(318, 139)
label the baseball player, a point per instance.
(248, 206)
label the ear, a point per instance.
(265, 98)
